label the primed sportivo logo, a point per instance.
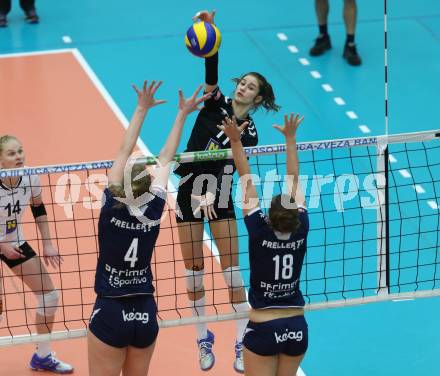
(143, 317)
(297, 336)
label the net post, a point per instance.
(383, 277)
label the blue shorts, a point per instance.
(123, 322)
(289, 336)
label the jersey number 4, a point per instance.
(13, 209)
(131, 255)
(286, 267)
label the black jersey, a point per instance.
(275, 262)
(126, 246)
(206, 136)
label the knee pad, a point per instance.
(194, 280)
(48, 303)
(232, 277)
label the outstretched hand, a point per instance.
(191, 104)
(51, 256)
(204, 206)
(205, 15)
(146, 98)
(291, 124)
(231, 128)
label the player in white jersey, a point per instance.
(16, 194)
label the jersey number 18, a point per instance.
(286, 267)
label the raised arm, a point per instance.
(146, 100)
(233, 131)
(291, 124)
(211, 63)
(186, 106)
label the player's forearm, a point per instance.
(292, 165)
(243, 169)
(211, 72)
(43, 226)
(169, 150)
(240, 160)
(133, 130)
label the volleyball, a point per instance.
(203, 39)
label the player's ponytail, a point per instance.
(283, 218)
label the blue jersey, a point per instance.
(126, 245)
(275, 262)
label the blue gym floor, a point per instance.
(127, 42)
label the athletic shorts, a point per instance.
(123, 322)
(287, 336)
(186, 205)
(26, 250)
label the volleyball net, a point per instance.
(374, 235)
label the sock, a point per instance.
(43, 349)
(242, 323)
(323, 30)
(350, 39)
(198, 309)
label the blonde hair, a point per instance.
(139, 186)
(5, 139)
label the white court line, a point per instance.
(419, 188)
(327, 87)
(364, 129)
(351, 115)
(392, 158)
(67, 39)
(405, 173)
(282, 36)
(304, 61)
(433, 204)
(34, 53)
(315, 74)
(292, 49)
(339, 101)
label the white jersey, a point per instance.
(13, 202)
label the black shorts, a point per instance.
(289, 336)
(26, 250)
(223, 204)
(123, 322)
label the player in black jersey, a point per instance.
(205, 191)
(276, 337)
(123, 326)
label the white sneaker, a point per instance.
(206, 356)
(50, 363)
(238, 362)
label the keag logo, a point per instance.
(135, 316)
(280, 338)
